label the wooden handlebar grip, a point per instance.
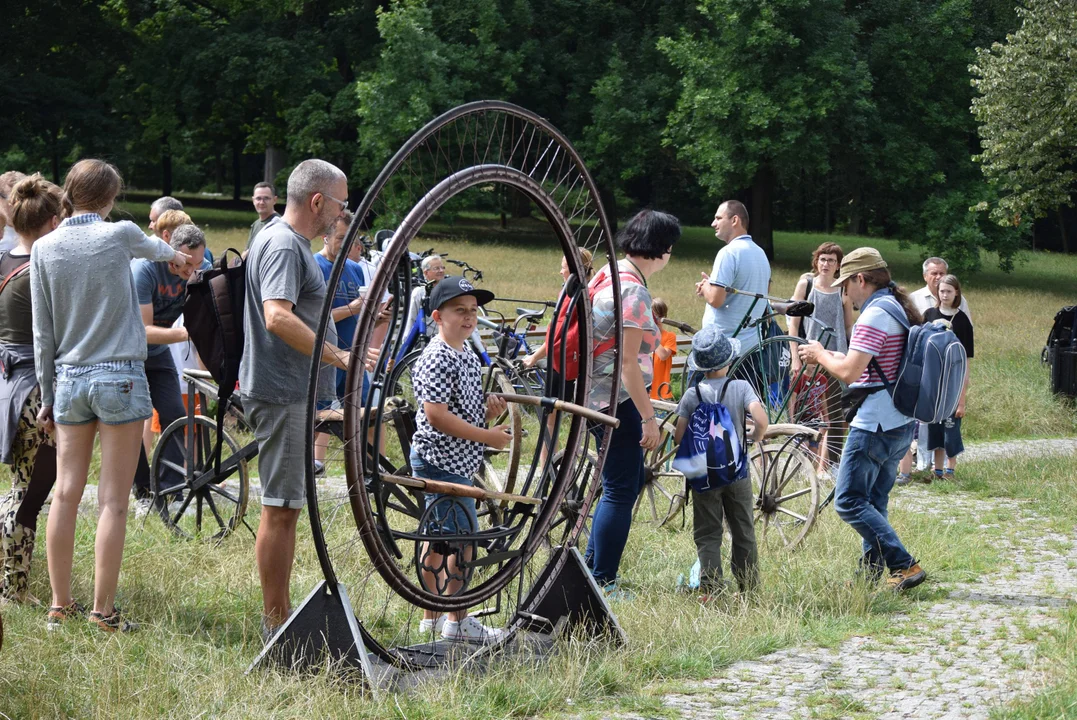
(562, 405)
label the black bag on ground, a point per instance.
(1060, 352)
(213, 316)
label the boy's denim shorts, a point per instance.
(116, 393)
(453, 515)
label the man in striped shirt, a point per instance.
(879, 435)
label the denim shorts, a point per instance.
(453, 515)
(115, 393)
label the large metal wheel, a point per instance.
(372, 547)
(806, 396)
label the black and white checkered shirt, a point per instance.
(453, 377)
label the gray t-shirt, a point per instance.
(737, 399)
(280, 266)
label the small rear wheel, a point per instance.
(191, 506)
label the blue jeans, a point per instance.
(867, 473)
(622, 481)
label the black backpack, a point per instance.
(1060, 352)
(213, 316)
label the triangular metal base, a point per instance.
(566, 597)
(321, 632)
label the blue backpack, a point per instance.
(932, 370)
(710, 454)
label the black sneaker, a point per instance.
(113, 622)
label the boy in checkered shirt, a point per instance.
(449, 440)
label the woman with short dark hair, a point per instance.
(647, 241)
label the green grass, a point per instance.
(200, 604)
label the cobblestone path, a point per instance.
(961, 658)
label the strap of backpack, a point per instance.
(604, 281)
(12, 274)
(218, 287)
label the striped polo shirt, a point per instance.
(877, 333)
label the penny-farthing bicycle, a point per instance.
(376, 529)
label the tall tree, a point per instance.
(1027, 110)
(764, 83)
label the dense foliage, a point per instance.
(820, 114)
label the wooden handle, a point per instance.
(448, 488)
(563, 406)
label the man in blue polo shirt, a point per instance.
(161, 293)
(741, 265)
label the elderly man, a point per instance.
(433, 267)
(265, 201)
(8, 181)
(935, 268)
(161, 291)
(159, 207)
(285, 292)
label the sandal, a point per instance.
(58, 614)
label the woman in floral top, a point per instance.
(646, 241)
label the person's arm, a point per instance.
(800, 292)
(154, 249)
(346, 311)
(44, 335)
(439, 417)
(531, 360)
(969, 350)
(283, 322)
(159, 335)
(678, 433)
(668, 348)
(760, 422)
(714, 294)
(846, 368)
(632, 379)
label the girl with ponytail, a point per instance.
(90, 348)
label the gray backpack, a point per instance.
(932, 371)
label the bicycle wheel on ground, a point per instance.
(196, 501)
(664, 493)
(786, 491)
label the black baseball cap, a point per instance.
(452, 286)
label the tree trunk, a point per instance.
(521, 204)
(166, 168)
(276, 159)
(236, 179)
(219, 173)
(1062, 231)
(609, 204)
(56, 156)
(760, 224)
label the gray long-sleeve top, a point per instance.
(85, 305)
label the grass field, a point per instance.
(1009, 395)
(200, 603)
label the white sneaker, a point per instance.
(143, 507)
(470, 630)
(427, 626)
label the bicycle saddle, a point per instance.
(530, 314)
(795, 308)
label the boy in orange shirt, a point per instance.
(663, 355)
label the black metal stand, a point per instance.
(321, 632)
(565, 598)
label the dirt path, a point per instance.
(960, 659)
